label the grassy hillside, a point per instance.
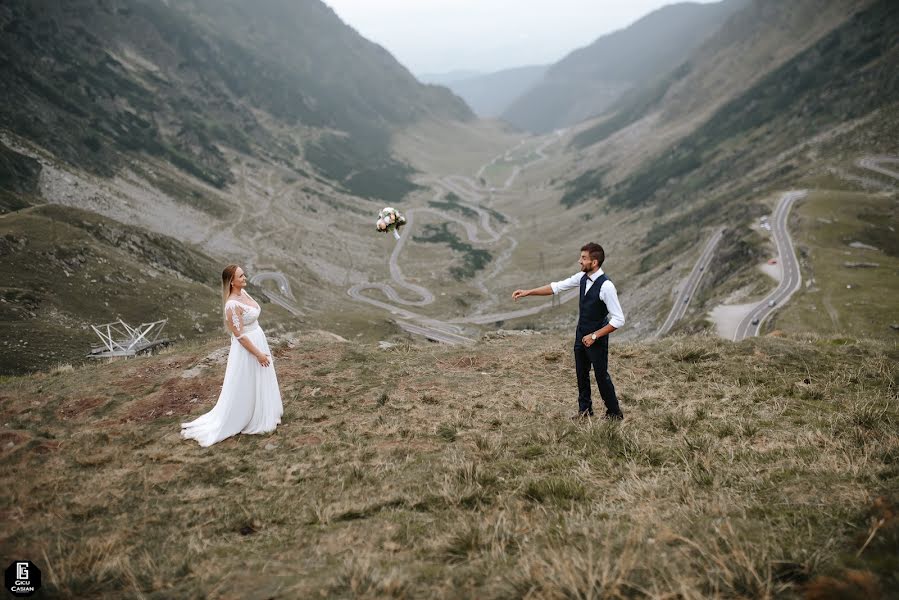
(18, 179)
(64, 269)
(762, 469)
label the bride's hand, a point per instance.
(264, 359)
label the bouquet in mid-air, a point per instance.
(389, 219)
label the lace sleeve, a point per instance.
(233, 315)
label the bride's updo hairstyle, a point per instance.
(227, 278)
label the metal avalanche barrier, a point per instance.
(121, 339)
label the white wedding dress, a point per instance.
(250, 401)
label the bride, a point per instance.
(250, 401)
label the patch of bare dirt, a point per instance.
(177, 396)
(306, 440)
(462, 363)
(80, 407)
(11, 438)
(852, 585)
(46, 447)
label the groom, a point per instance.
(600, 315)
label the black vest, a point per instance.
(593, 311)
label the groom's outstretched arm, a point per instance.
(556, 287)
(545, 290)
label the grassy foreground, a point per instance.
(768, 468)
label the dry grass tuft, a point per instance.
(61, 369)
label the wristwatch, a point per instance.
(593, 336)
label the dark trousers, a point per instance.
(596, 356)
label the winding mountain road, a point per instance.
(539, 151)
(874, 163)
(791, 278)
(682, 302)
(472, 194)
(426, 297)
(481, 232)
(286, 298)
(484, 231)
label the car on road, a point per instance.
(755, 321)
(772, 302)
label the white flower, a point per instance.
(389, 219)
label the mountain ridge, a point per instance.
(490, 94)
(143, 76)
(751, 42)
(589, 80)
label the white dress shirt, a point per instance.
(607, 293)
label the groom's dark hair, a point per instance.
(596, 252)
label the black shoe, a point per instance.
(619, 416)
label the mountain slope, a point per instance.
(97, 82)
(821, 94)
(672, 178)
(756, 39)
(18, 179)
(491, 94)
(65, 269)
(590, 79)
(848, 74)
(258, 134)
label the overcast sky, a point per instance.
(438, 36)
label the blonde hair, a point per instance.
(227, 278)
